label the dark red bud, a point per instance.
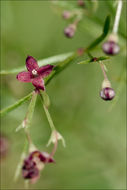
(70, 31)
(111, 48)
(107, 93)
(80, 51)
(66, 14)
(81, 3)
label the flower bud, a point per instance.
(81, 3)
(111, 48)
(66, 15)
(107, 93)
(70, 30)
(80, 51)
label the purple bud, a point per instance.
(111, 48)
(107, 93)
(70, 31)
(66, 14)
(81, 3)
(80, 51)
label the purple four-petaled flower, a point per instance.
(35, 74)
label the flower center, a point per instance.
(34, 72)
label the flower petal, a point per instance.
(45, 70)
(31, 64)
(38, 82)
(24, 76)
(43, 156)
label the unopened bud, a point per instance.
(66, 14)
(81, 3)
(107, 93)
(70, 30)
(111, 48)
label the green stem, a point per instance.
(30, 111)
(19, 166)
(47, 113)
(103, 70)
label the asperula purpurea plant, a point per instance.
(37, 74)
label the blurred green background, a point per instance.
(94, 130)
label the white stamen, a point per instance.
(34, 72)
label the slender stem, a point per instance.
(117, 17)
(28, 137)
(30, 111)
(103, 70)
(47, 114)
(55, 146)
(19, 166)
(26, 184)
(49, 118)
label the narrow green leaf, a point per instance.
(96, 59)
(106, 25)
(102, 36)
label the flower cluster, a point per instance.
(36, 160)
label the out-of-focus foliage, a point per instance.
(94, 130)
